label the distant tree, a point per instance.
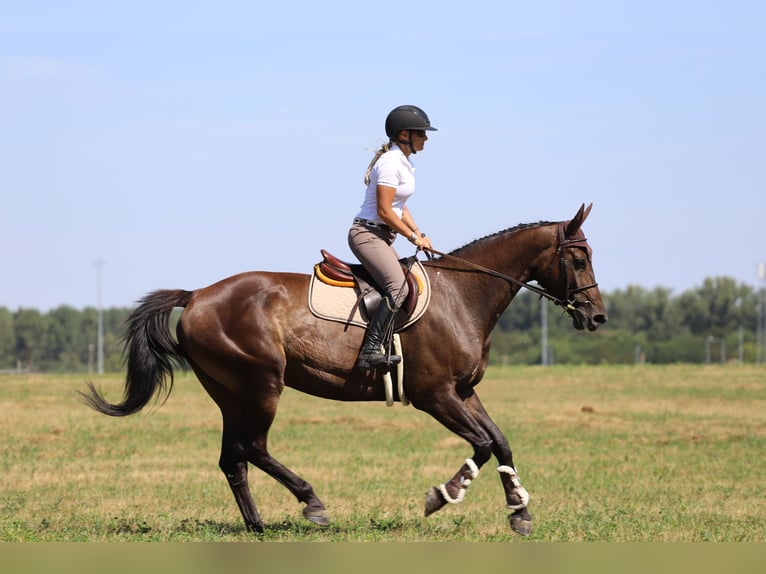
(644, 325)
(66, 345)
(663, 316)
(114, 321)
(638, 310)
(682, 348)
(718, 307)
(522, 314)
(30, 327)
(7, 340)
(114, 331)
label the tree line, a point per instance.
(719, 321)
(62, 340)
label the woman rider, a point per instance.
(390, 181)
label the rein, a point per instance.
(488, 271)
(563, 242)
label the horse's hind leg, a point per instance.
(245, 438)
(233, 463)
(246, 423)
(251, 434)
(314, 510)
(244, 441)
(234, 450)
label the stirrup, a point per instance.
(371, 360)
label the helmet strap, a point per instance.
(408, 142)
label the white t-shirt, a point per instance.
(393, 169)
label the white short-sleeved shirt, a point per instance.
(393, 169)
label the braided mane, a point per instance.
(519, 227)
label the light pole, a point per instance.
(758, 312)
(740, 331)
(741, 345)
(99, 263)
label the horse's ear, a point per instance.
(582, 214)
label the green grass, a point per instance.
(607, 453)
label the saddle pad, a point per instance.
(340, 303)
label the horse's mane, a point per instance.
(486, 238)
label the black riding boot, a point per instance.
(370, 355)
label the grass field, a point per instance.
(609, 453)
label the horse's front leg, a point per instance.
(452, 491)
(451, 411)
(516, 500)
(516, 496)
(468, 419)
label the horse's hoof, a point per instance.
(521, 524)
(256, 527)
(317, 516)
(434, 501)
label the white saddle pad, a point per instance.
(340, 303)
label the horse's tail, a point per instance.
(150, 350)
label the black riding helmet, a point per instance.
(407, 118)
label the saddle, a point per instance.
(335, 272)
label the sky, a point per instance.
(182, 142)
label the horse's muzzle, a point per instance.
(582, 318)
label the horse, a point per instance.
(248, 336)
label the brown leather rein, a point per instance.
(567, 304)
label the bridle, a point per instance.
(563, 243)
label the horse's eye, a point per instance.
(579, 264)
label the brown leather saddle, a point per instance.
(337, 272)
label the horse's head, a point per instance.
(568, 275)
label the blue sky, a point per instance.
(183, 142)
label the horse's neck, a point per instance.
(514, 254)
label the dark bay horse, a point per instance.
(249, 335)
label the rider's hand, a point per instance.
(423, 243)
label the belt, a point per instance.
(373, 224)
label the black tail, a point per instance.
(150, 351)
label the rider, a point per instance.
(390, 181)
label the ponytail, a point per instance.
(383, 149)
